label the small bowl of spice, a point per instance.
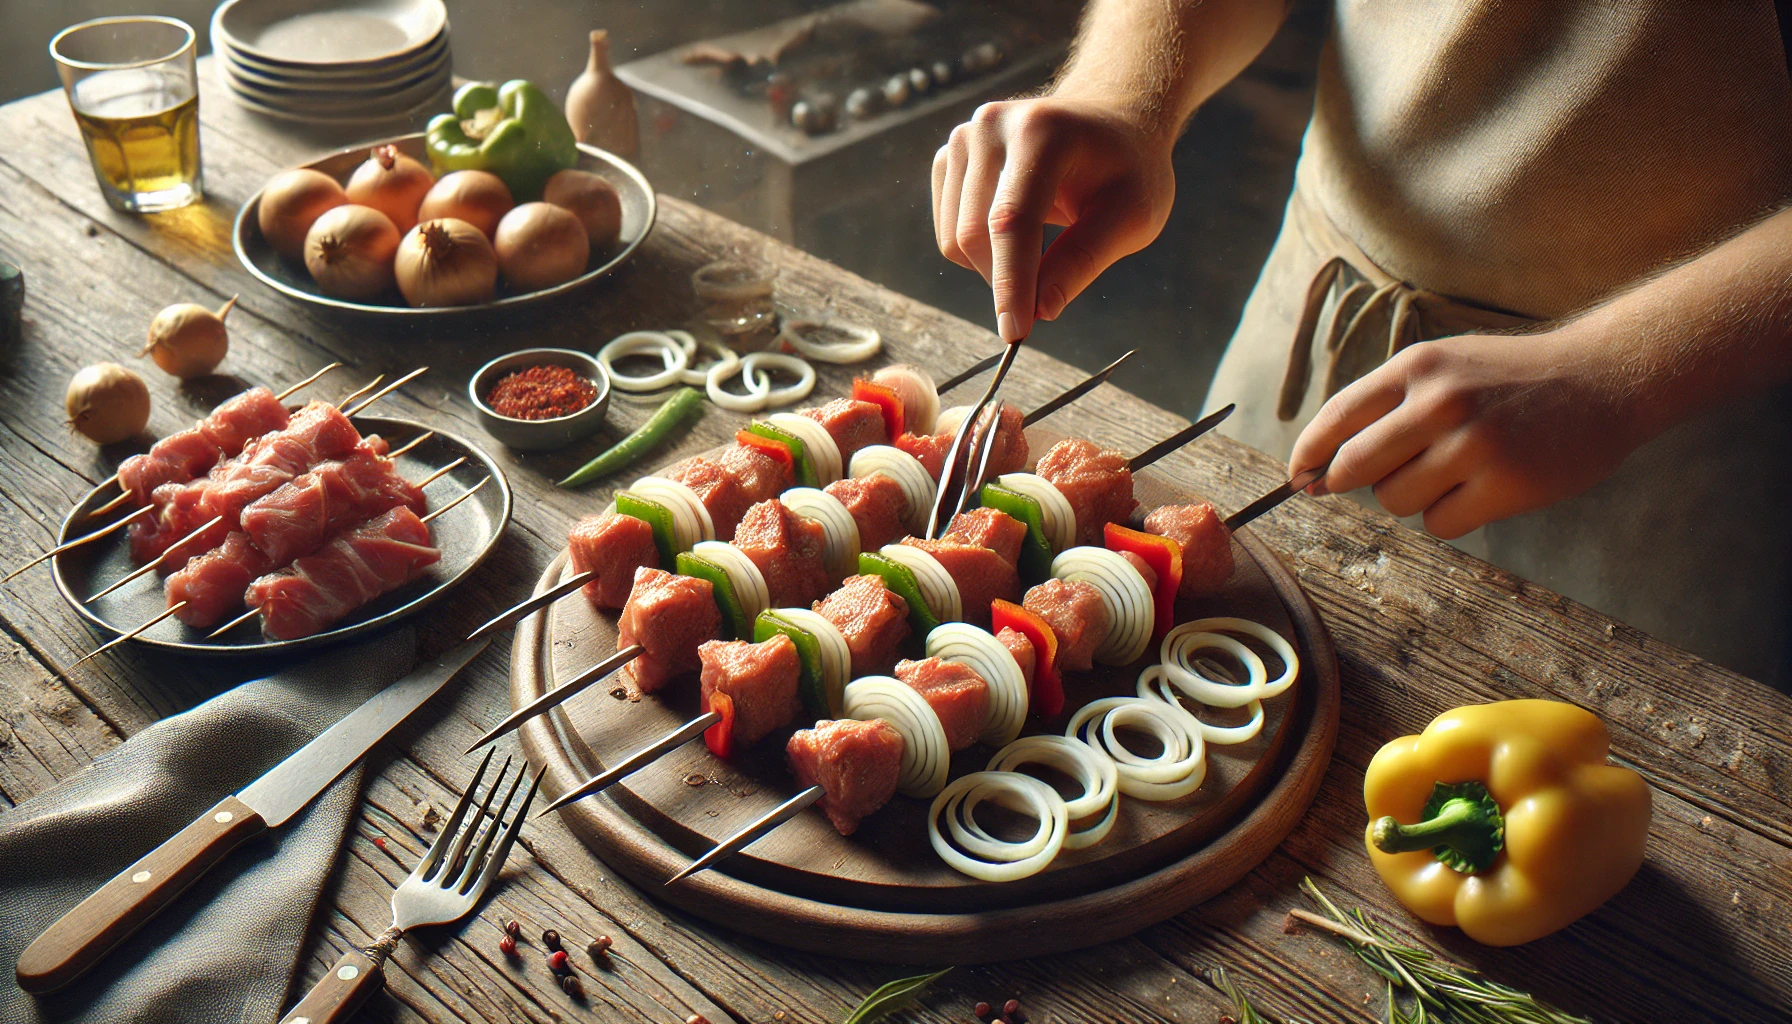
(540, 398)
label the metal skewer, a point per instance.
(1095, 380)
(517, 613)
(158, 560)
(968, 372)
(560, 694)
(77, 542)
(122, 637)
(1178, 439)
(1299, 483)
(388, 389)
(945, 493)
(750, 834)
(638, 760)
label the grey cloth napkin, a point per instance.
(226, 949)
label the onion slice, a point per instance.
(757, 389)
(644, 343)
(925, 758)
(917, 485)
(936, 584)
(978, 648)
(836, 656)
(1059, 518)
(920, 399)
(863, 344)
(1091, 768)
(696, 373)
(1154, 684)
(839, 531)
(957, 802)
(690, 517)
(1124, 591)
(1181, 645)
(756, 363)
(817, 442)
(1176, 771)
(749, 583)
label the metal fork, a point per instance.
(445, 886)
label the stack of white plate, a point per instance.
(335, 62)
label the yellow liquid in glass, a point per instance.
(142, 133)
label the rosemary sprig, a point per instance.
(1247, 1014)
(1441, 991)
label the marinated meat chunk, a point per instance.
(877, 505)
(1137, 561)
(1022, 649)
(760, 476)
(873, 620)
(1206, 545)
(213, 584)
(955, 692)
(758, 680)
(989, 528)
(851, 423)
(670, 616)
(613, 546)
(931, 449)
(300, 515)
(251, 414)
(1077, 615)
(788, 550)
(717, 488)
(856, 764)
(174, 459)
(356, 566)
(1096, 482)
(1009, 453)
(981, 575)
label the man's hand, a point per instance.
(1019, 165)
(1473, 429)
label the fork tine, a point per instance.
(502, 853)
(451, 826)
(476, 859)
(451, 865)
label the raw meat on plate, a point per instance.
(355, 567)
(669, 616)
(857, 765)
(873, 620)
(757, 680)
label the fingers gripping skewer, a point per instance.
(150, 565)
(78, 541)
(122, 637)
(638, 760)
(936, 519)
(749, 835)
(517, 613)
(559, 694)
(388, 389)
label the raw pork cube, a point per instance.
(760, 476)
(788, 550)
(989, 528)
(857, 765)
(931, 449)
(873, 620)
(1077, 614)
(1097, 483)
(981, 575)
(213, 583)
(1137, 561)
(956, 693)
(1206, 545)
(718, 489)
(613, 546)
(670, 616)
(759, 679)
(1022, 649)
(851, 423)
(877, 505)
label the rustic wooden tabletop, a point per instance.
(1702, 933)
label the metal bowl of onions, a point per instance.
(288, 274)
(506, 415)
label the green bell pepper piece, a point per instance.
(1035, 550)
(655, 515)
(806, 476)
(697, 567)
(813, 687)
(900, 579)
(514, 131)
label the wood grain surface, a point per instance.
(1702, 934)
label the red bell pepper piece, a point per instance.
(886, 399)
(1164, 556)
(1048, 688)
(719, 738)
(769, 447)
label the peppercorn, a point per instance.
(1011, 1010)
(507, 945)
(514, 929)
(550, 939)
(981, 1010)
(557, 961)
(599, 946)
(570, 983)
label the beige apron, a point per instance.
(1481, 166)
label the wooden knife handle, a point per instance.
(341, 992)
(83, 935)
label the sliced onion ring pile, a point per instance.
(757, 387)
(998, 860)
(839, 531)
(917, 485)
(925, 758)
(755, 364)
(690, 517)
(1125, 592)
(637, 343)
(1093, 770)
(1154, 684)
(1176, 771)
(1059, 519)
(750, 588)
(817, 442)
(801, 335)
(937, 585)
(696, 373)
(977, 648)
(1182, 644)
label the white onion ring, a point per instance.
(839, 531)
(920, 399)
(711, 283)
(1056, 515)
(925, 758)
(690, 517)
(1180, 645)
(970, 645)
(1178, 770)
(698, 375)
(1044, 802)
(818, 444)
(644, 343)
(836, 656)
(949, 419)
(865, 344)
(1154, 684)
(918, 486)
(1127, 596)
(1091, 768)
(937, 585)
(750, 588)
(756, 363)
(757, 390)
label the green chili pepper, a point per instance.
(739, 624)
(900, 579)
(515, 131)
(1036, 550)
(800, 459)
(681, 404)
(655, 515)
(813, 688)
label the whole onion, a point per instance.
(290, 203)
(590, 198)
(107, 403)
(349, 252)
(392, 183)
(478, 197)
(188, 340)
(446, 262)
(540, 245)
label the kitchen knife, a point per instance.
(85, 934)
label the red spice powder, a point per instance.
(541, 393)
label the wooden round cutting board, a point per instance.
(883, 893)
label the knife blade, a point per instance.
(81, 937)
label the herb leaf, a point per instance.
(892, 997)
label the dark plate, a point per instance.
(466, 535)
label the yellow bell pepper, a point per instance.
(1504, 819)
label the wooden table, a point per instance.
(1701, 934)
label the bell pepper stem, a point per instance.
(1463, 827)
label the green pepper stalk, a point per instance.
(1463, 827)
(514, 131)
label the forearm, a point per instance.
(1155, 61)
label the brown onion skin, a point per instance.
(541, 245)
(391, 183)
(422, 280)
(478, 197)
(590, 198)
(290, 203)
(107, 403)
(349, 252)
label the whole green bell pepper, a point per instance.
(514, 131)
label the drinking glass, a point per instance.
(131, 84)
